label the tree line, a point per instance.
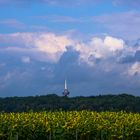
(52, 102)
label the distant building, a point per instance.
(66, 92)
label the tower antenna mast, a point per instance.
(65, 84)
(66, 92)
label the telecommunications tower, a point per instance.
(66, 92)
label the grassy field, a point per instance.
(72, 125)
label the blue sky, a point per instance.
(94, 43)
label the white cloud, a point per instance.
(99, 48)
(49, 44)
(134, 69)
(52, 44)
(49, 47)
(18, 39)
(114, 44)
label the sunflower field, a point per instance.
(71, 125)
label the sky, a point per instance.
(94, 44)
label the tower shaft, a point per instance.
(65, 85)
(65, 92)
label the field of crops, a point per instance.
(72, 125)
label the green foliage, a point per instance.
(71, 125)
(53, 102)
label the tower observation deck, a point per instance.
(66, 92)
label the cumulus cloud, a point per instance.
(49, 44)
(99, 48)
(45, 59)
(134, 69)
(132, 55)
(53, 45)
(114, 44)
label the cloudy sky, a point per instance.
(94, 44)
